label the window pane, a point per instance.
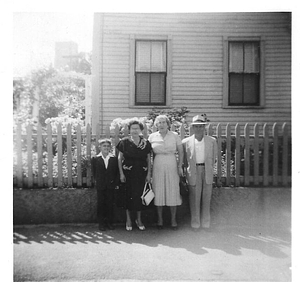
(235, 89)
(158, 56)
(143, 56)
(251, 89)
(142, 87)
(236, 57)
(251, 57)
(157, 88)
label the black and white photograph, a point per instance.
(152, 144)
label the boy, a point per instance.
(106, 175)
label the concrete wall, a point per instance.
(268, 207)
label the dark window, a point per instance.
(150, 72)
(244, 73)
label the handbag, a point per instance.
(183, 185)
(148, 194)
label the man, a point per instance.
(200, 153)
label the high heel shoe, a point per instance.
(128, 228)
(140, 227)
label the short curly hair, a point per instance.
(135, 121)
(162, 117)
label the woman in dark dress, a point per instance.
(134, 166)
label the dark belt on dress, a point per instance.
(201, 164)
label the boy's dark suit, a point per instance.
(106, 179)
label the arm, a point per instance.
(180, 159)
(148, 177)
(120, 159)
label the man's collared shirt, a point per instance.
(199, 147)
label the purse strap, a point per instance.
(145, 187)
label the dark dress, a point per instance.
(135, 170)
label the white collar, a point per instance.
(108, 156)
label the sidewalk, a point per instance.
(83, 253)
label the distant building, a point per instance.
(66, 55)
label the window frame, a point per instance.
(168, 78)
(226, 40)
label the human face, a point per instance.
(135, 130)
(162, 125)
(199, 129)
(105, 148)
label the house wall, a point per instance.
(196, 65)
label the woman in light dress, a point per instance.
(166, 169)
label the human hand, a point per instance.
(180, 171)
(122, 178)
(148, 178)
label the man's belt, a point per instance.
(201, 164)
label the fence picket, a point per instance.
(78, 144)
(266, 155)
(29, 155)
(275, 154)
(182, 132)
(69, 155)
(88, 155)
(237, 155)
(219, 142)
(228, 154)
(256, 154)
(107, 132)
(98, 130)
(247, 155)
(19, 156)
(50, 155)
(284, 154)
(59, 156)
(40, 155)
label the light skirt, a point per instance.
(165, 181)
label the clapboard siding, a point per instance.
(197, 62)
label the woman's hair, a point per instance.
(135, 121)
(162, 117)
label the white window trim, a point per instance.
(261, 39)
(133, 38)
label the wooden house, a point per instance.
(235, 67)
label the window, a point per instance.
(150, 72)
(243, 78)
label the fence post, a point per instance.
(182, 132)
(275, 154)
(88, 155)
(219, 167)
(247, 155)
(59, 156)
(50, 155)
(29, 156)
(19, 156)
(256, 154)
(40, 155)
(69, 155)
(284, 154)
(266, 155)
(79, 172)
(228, 154)
(237, 155)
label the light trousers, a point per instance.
(199, 198)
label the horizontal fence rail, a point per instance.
(248, 155)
